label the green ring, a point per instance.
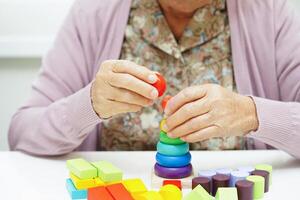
(172, 150)
(167, 140)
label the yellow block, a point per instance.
(150, 195)
(82, 183)
(162, 123)
(135, 185)
(170, 192)
(98, 182)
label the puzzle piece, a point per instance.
(198, 193)
(107, 172)
(119, 192)
(74, 193)
(99, 193)
(229, 193)
(81, 168)
(170, 192)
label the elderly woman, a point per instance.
(232, 66)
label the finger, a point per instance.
(202, 135)
(140, 72)
(191, 126)
(185, 96)
(127, 96)
(129, 82)
(187, 112)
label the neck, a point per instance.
(178, 13)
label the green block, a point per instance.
(259, 186)
(82, 168)
(198, 193)
(267, 168)
(163, 137)
(229, 193)
(107, 171)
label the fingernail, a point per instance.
(152, 78)
(154, 94)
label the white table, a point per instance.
(26, 177)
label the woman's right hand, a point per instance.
(122, 86)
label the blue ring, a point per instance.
(173, 161)
(172, 150)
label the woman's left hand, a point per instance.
(202, 112)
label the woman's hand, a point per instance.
(202, 112)
(121, 87)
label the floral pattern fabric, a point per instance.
(201, 55)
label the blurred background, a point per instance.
(27, 29)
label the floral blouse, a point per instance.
(201, 55)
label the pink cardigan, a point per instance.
(58, 118)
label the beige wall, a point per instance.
(16, 74)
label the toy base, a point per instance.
(157, 182)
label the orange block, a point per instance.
(119, 192)
(99, 193)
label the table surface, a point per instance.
(26, 177)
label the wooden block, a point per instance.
(135, 185)
(107, 172)
(170, 192)
(99, 193)
(177, 183)
(229, 193)
(198, 193)
(157, 182)
(82, 183)
(74, 193)
(119, 192)
(150, 195)
(81, 168)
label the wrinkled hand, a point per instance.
(202, 112)
(121, 87)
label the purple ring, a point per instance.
(173, 173)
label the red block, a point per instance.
(172, 182)
(119, 192)
(160, 85)
(99, 193)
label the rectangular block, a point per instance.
(81, 168)
(82, 183)
(118, 191)
(134, 185)
(198, 193)
(74, 193)
(99, 193)
(107, 172)
(227, 194)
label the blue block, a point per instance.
(172, 150)
(74, 193)
(173, 161)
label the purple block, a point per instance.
(248, 169)
(224, 171)
(237, 176)
(172, 172)
(207, 173)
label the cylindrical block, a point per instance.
(248, 169)
(264, 174)
(267, 168)
(219, 180)
(172, 150)
(164, 138)
(173, 173)
(245, 190)
(225, 171)
(237, 176)
(259, 186)
(173, 161)
(207, 173)
(203, 181)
